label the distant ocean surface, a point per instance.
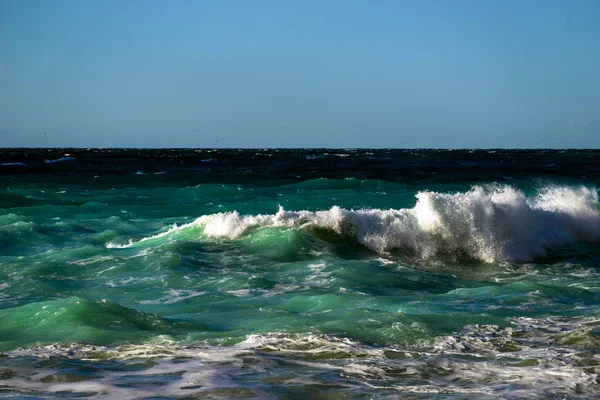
(299, 274)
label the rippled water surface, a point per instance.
(332, 274)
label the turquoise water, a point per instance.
(150, 277)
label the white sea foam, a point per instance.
(525, 366)
(59, 160)
(131, 242)
(489, 223)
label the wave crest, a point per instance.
(489, 223)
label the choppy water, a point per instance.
(332, 274)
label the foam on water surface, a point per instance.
(526, 360)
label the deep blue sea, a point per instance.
(299, 274)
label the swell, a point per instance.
(82, 320)
(490, 223)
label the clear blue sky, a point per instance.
(301, 73)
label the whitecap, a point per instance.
(489, 223)
(59, 160)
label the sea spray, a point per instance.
(489, 223)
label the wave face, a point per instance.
(279, 273)
(489, 223)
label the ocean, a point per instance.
(299, 274)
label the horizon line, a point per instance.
(296, 148)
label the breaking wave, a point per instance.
(490, 223)
(59, 160)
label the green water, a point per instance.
(461, 292)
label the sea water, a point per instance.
(278, 273)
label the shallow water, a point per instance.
(299, 273)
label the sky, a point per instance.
(304, 73)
